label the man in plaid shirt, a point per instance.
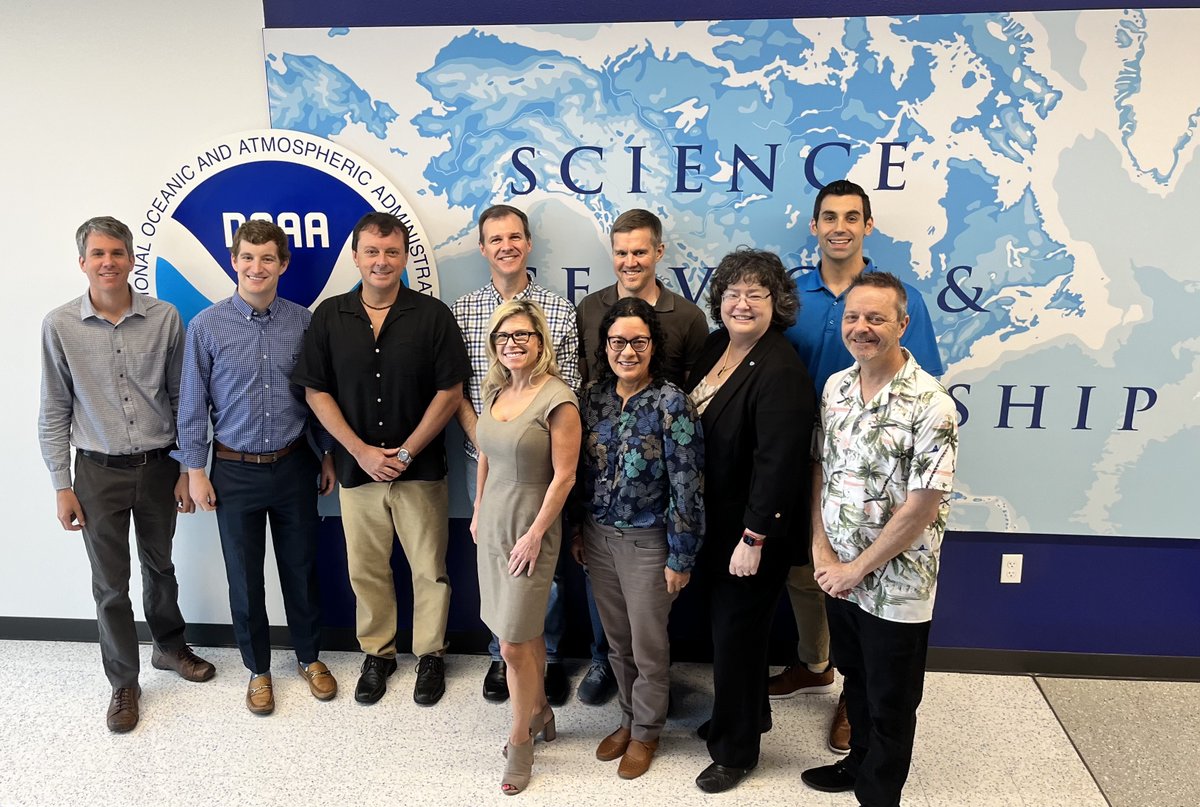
(505, 242)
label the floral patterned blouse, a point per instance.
(873, 454)
(642, 465)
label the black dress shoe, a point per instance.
(835, 778)
(598, 685)
(717, 778)
(495, 683)
(702, 729)
(431, 680)
(558, 685)
(373, 681)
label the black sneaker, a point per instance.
(431, 680)
(558, 685)
(598, 685)
(373, 681)
(835, 778)
(495, 683)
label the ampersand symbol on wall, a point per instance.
(968, 298)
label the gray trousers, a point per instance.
(808, 607)
(626, 568)
(109, 496)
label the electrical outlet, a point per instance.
(1010, 568)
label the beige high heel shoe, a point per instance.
(543, 724)
(518, 767)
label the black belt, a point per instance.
(224, 452)
(126, 460)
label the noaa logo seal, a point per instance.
(313, 188)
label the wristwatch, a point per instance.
(404, 456)
(749, 539)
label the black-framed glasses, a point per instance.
(639, 343)
(517, 337)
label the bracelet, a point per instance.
(751, 540)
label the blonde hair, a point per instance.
(499, 376)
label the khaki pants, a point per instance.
(416, 512)
(808, 606)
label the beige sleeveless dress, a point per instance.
(519, 472)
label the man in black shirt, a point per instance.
(383, 368)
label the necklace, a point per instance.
(375, 307)
(725, 365)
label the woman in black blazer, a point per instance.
(757, 408)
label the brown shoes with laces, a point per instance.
(321, 682)
(183, 661)
(839, 730)
(260, 699)
(799, 680)
(123, 709)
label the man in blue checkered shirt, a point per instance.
(238, 356)
(505, 242)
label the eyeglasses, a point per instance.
(873, 319)
(517, 337)
(639, 343)
(753, 298)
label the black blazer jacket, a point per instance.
(758, 450)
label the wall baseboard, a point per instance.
(1063, 665)
(941, 659)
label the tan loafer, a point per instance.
(321, 682)
(260, 699)
(613, 746)
(637, 759)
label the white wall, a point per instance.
(98, 104)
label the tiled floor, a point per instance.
(982, 741)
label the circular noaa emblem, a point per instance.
(313, 188)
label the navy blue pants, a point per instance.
(884, 668)
(286, 493)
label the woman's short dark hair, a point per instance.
(632, 307)
(755, 266)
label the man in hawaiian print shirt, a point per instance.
(886, 446)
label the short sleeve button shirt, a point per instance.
(873, 453)
(383, 386)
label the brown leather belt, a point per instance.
(224, 452)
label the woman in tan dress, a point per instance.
(528, 438)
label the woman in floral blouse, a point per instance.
(640, 509)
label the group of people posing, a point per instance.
(804, 444)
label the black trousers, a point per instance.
(247, 496)
(110, 497)
(883, 664)
(742, 609)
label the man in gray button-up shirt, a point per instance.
(110, 385)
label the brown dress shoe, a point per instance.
(799, 680)
(839, 730)
(613, 746)
(637, 759)
(183, 661)
(260, 699)
(123, 709)
(321, 682)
